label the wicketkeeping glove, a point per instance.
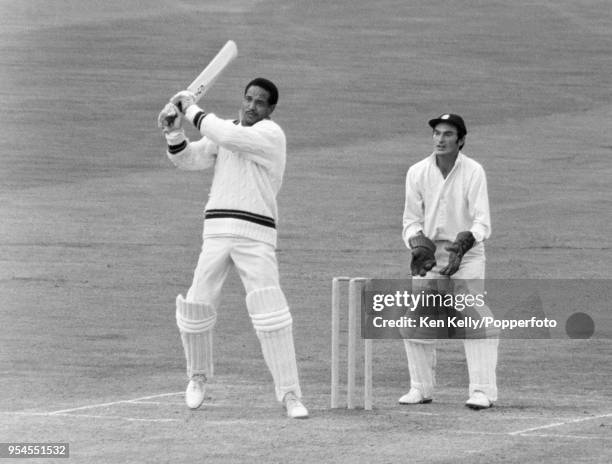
(423, 254)
(463, 242)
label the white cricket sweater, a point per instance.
(249, 163)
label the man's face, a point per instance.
(255, 106)
(445, 139)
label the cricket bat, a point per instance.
(212, 71)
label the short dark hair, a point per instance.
(266, 85)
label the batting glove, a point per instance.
(463, 242)
(183, 100)
(169, 119)
(423, 254)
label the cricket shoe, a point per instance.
(194, 395)
(414, 396)
(478, 400)
(295, 408)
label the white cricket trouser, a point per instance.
(258, 269)
(480, 353)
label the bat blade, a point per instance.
(213, 70)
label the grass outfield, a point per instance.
(99, 232)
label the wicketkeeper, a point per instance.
(446, 220)
(240, 218)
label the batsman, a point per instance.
(248, 156)
(445, 223)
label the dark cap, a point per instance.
(452, 119)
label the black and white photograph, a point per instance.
(265, 231)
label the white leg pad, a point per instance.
(421, 356)
(273, 324)
(195, 322)
(481, 357)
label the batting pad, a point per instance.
(195, 322)
(421, 356)
(273, 324)
(481, 356)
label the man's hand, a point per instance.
(169, 119)
(463, 242)
(423, 254)
(183, 100)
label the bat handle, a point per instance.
(170, 118)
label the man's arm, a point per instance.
(190, 156)
(478, 204)
(264, 142)
(413, 218)
(184, 154)
(423, 250)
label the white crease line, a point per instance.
(491, 415)
(47, 414)
(203, 406)
(534, 435)
(130, 419)
(559, 424)
(477, 432)
(231, 422)
(552, 435)
(161, 395)
(156, 403)
(112, 403)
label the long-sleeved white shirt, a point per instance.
(443, 207)
(249, 163)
